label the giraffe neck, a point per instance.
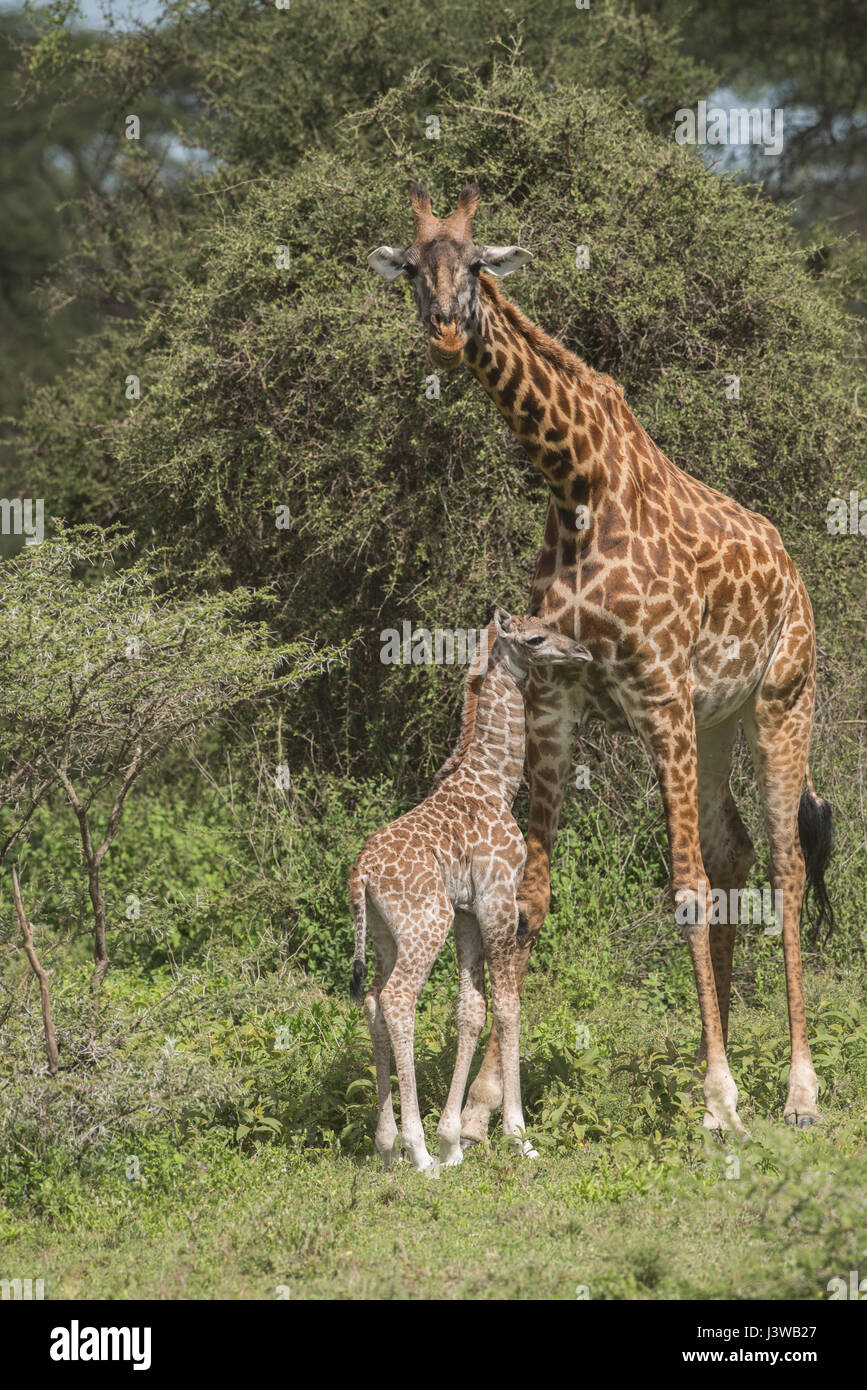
(570, 419)
(495, 748)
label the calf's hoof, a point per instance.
(522, 1148)
(451, 1155)
(391, 1157)
(474, 1122)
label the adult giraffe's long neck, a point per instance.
(572, 421)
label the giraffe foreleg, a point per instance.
(498, 919)
(670, 734)
(550, 729)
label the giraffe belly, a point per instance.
(458, 885)
(599, 697)
(717, 693)
(714, 708)
(727, 671)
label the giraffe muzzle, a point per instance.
(446, 346)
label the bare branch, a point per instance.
(39, 972)
(130, 775)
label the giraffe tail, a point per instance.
(358, 903)
(816, 832)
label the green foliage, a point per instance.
(103, 672)
(228, 1098)
(291, 77)
(121, 651)
(58, 160)
(226, 1058)
(808, 59)
(304, 387)
(104, 675)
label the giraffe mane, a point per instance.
(573, 367)
(546, 346)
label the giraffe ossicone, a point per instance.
(697, 620)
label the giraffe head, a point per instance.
(525, 642)
(443, 265)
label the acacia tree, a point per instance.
(103, 672)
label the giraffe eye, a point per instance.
(410, 270)
(535, 641)
(476, 267)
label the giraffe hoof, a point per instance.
(467, 1144)
(521, 1148)
(731, 1124)
(451, 1155)
(391, 1157)
(717, 1124)
(474, 1123)
(801, 1121)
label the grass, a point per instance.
(210, 1133)
(643, 1206)
(326, 1226)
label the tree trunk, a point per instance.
(100, 954)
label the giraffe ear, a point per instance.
(388, 260)
(502, 622)
(502, 260)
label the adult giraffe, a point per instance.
(696, 618)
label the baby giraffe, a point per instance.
(458, 857)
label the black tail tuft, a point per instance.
(816, 832)
(357, 980)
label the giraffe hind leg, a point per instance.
(386, 1137)
(727, 854)
(420, 925)
(779, 739)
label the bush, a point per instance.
(304, 387)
